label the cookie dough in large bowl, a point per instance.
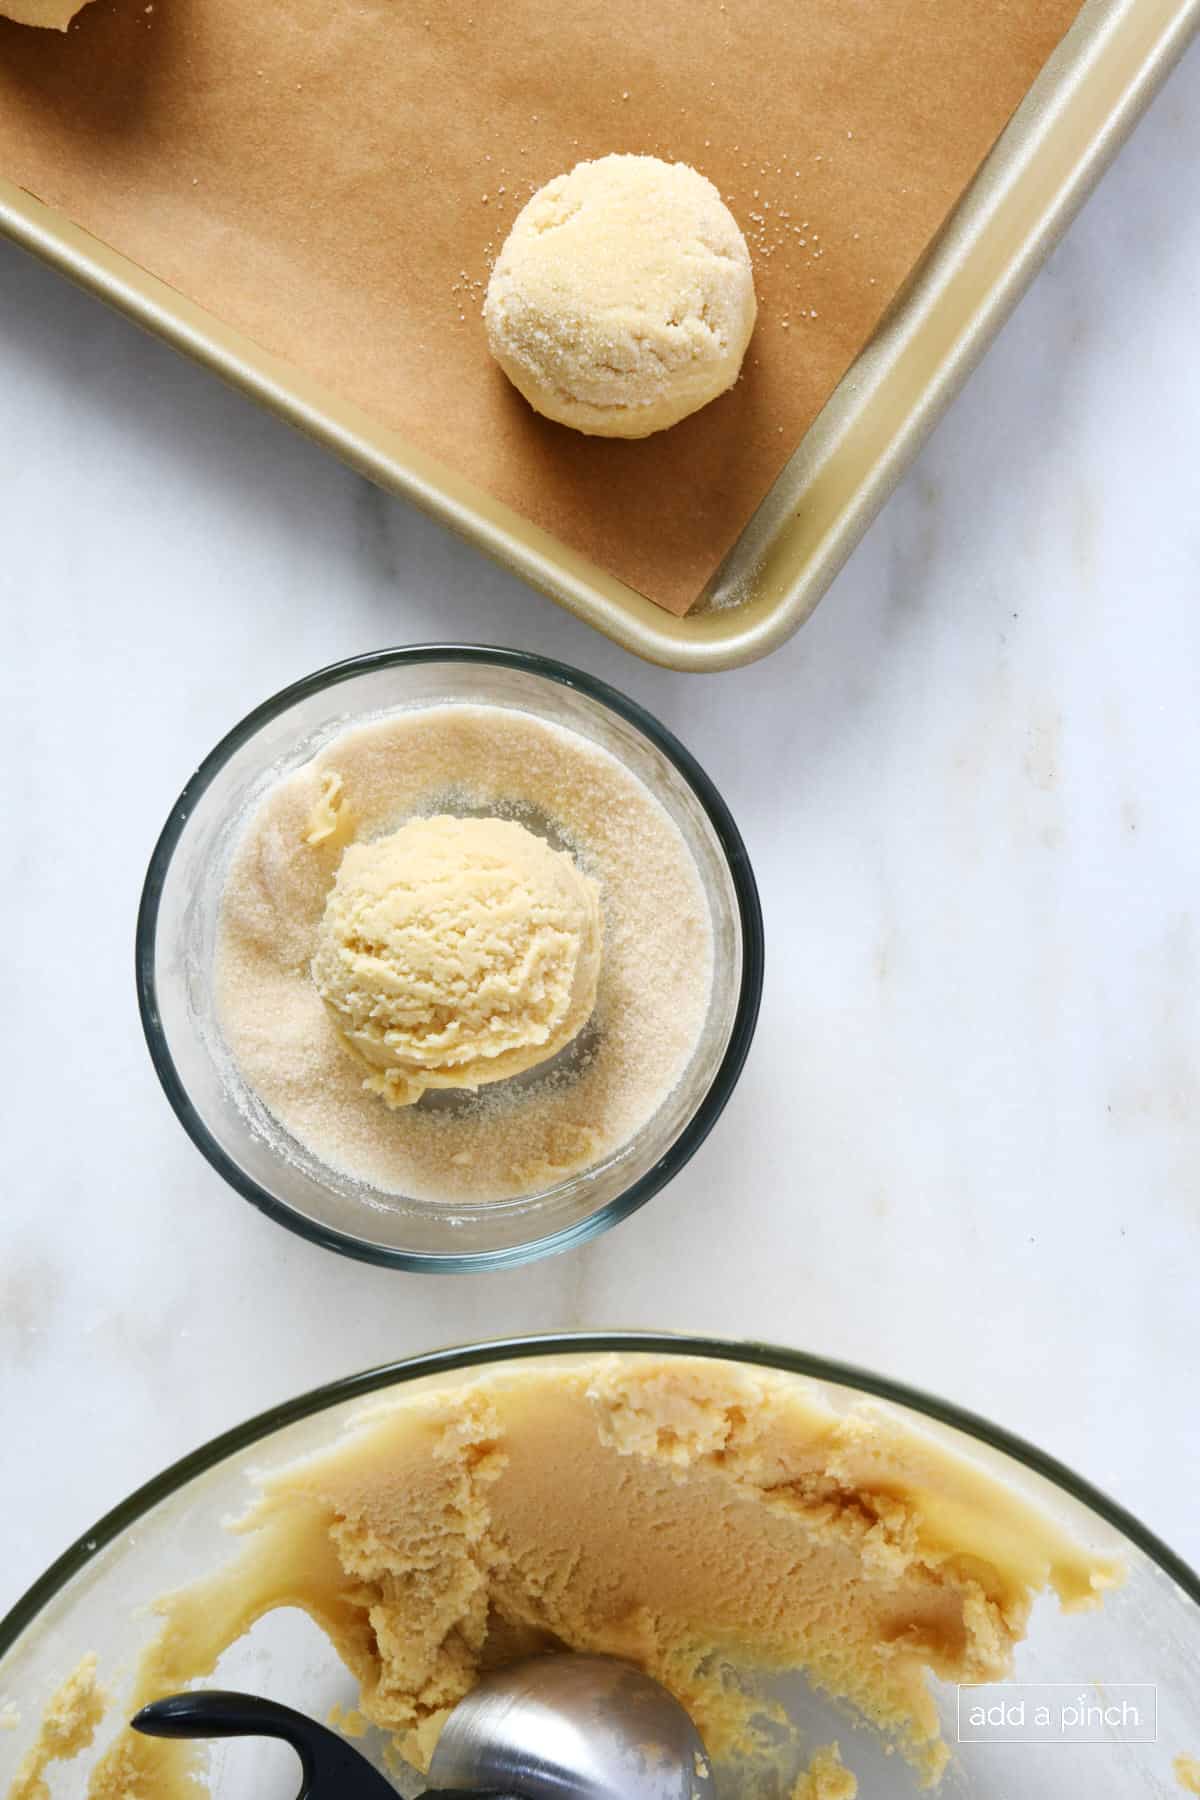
(853, 1588)
(449, 957)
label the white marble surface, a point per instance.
(966, 1148)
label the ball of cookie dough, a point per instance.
(457, 952)
(623, 298)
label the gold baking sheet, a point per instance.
(1088, 95)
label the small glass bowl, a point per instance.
(176, 941)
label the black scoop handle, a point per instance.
(332, 1768)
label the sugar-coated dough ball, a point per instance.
(457, 952)
(55, 13)
(623, 298)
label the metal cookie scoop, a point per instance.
(554, 1728)
(573, 1728)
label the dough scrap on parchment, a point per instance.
(57, 14)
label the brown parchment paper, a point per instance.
(333, 176)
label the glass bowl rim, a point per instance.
(746, 1352)
(723, 1082)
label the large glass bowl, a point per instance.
(1141, 1649)
(176, 936)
